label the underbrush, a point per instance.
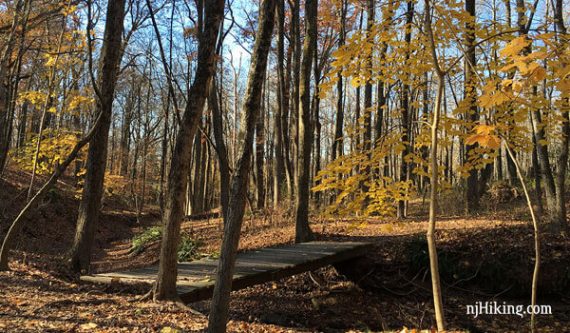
(187, 249)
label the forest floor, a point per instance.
(487, 257)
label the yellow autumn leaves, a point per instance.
(485, 137)
(72, 103)
(509, 99)
(54, 148)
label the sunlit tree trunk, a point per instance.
(285, 124)
(316, 120)
(222, 152)
(434, 181)
(259, 154)
(302, 230)
(97, 155)
(238, 192)
(294, 130)
(165, 286)
(279, 183)
(125, 142)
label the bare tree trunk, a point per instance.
(197, 183)
(13, 89)
(97, 155)
(537, 238)
(303, 232)
(424, 151)
(164, 152)
(430, 234)
(200, 194)
(368, 102)
(126, 132)
(165, 286)
(294, 131)
(259, 154)
(218, 127)
(22, 126)
(357, 115)
(338, 145)
(380, 93)
(232, 226)
(317, 121)
(279, 187)
(406, 110)
(536, 171)
(285, 125)
(562, 160)
(5, 59)
(434, 266)
(206, 170)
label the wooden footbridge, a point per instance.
(196, 279)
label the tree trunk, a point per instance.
(368, 102)
(316, 119)
(546, 175)
(18, 223)
(430, 234)
(165, 286)
(164, 152)
(259, 154)
(126, 132)
(295, 93)
(470, 95)
(232, 226)
(562, 160)
(406, 110)
(197, 183)
(380, 94)
(285, 125)
(221, 149)
(279, 187)
(338, 145)
(97, 155)
(303, 232)
(5, 59)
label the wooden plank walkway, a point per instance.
(196, 278)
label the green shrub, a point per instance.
(148, 236)
(187, 249)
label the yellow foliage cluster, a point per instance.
(509, 100)
(506, 90)
(73, 102)
(115, 184)
(356, 181)
(54, 149)
(36, 98)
